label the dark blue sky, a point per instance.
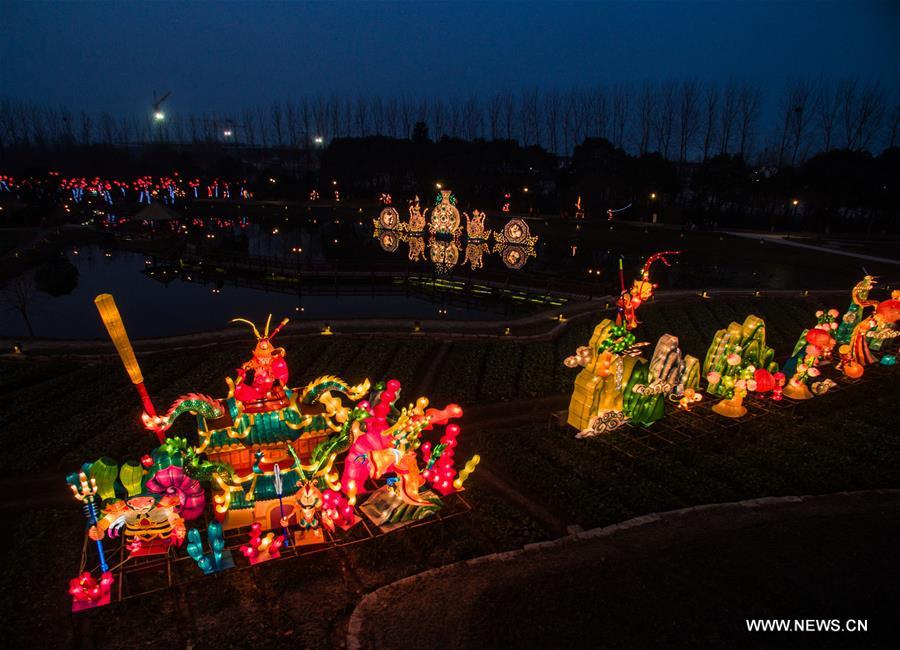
(111, 56)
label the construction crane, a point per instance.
(158, 113)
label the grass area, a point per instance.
(59, 413)
(87, 410)
(844, 441)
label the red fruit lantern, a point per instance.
(853, 369)
(764, 380)
(888, 311)
(820, 338)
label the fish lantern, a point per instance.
(764, 379)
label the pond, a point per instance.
(198, 271)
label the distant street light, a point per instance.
(438, 185)
(319, 140)
(795, 203)
(159, 116)
(653, 195)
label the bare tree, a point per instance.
(86, 129)
(798, 104)
(646, 114)
(728, 115)
(361, 118)
(472, 118)
(749, 106)
(453, 120)
(248, 127)
(827, 109)
(861, 111)
(710, 117)
(178, 127)
(687, 116)
(664, 117)
(620, 110)
(306, 120)
(551, 119)
(508, 114)
(437, 118)
(334, 111)
(495, 107)
(577, 114)
(530, 114)
(347, 118)
(20, 295)
(262, 126)
(107, 129)
(124, 130)
(392, 117)
(292, 122)
(376, 106)
(407, 109)
(277, 118)
(597, 104)
(894, 121)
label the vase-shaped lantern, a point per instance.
(445, 217)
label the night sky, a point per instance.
(99, 56)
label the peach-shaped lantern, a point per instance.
(820, 338)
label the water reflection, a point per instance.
(475, 251)
(514, 243)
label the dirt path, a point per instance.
(689, 578)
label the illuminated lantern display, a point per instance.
(416, 248)
(270, 455)
(261, 547)
(150, 525)
(859, 297)
(475, 227)
(868, 331)
(112, 320)
(218, 558)
(514, 256)
(475, 251)
(87, 591)
(416, 217)
(765, 381)
(803, 364)
(516, 231)
(733, 407)
(389, 240)
(615, 385)
(444, 254)
(734, 356)
(388, 219)
(641, 290)
(445, 219)
(515, 243)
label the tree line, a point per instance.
(685, 120)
